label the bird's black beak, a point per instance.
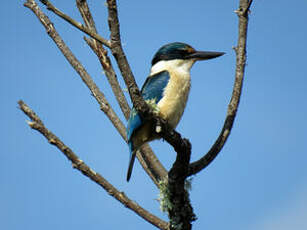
(205, 55)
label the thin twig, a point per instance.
(153, 165)
(75, 23)
(110, 74)
(103, 57)
(118, 53)
(37, 124)
(203, 162)
(86, 14)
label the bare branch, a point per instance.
(86, 78)
(203, 162)
(103, 57)
(86, 14)
(118, 53)
(110, 74)
(153, 165)
(76, 24)
(78, 164)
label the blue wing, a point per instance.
(152, 89)
(154, 86)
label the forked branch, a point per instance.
(75, 63)
(240, 50)
(76, 24)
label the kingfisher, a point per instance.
(166, 91)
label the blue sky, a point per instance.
(259, 181)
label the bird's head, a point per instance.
(183, 53)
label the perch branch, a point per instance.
(76, 24)
(240, 50)
(181, 213)
(37, 124)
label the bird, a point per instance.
(166, 91)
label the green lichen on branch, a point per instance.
(164, 200)
(164, 194)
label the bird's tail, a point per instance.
(131, 161)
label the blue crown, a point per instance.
(175, 50)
